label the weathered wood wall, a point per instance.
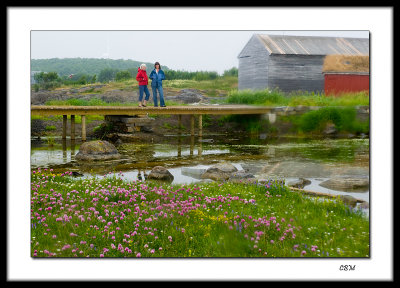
(253, 65)
(290, 72)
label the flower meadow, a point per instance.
(111, 217)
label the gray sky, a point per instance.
(179, 50)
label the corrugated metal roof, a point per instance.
(313, 45)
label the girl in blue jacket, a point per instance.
(156, 76)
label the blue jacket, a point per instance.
(156, 80)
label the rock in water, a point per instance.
(299, 183)
(97, 150)
(160, 173)
(220, 171)
(347, 184)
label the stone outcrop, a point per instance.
(97, 150)
(161, 174)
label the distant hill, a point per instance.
(88, 66)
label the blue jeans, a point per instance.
(160, 91)
(143, 88)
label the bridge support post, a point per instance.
(64, 127)
(83, 117)
(179, 122)
(272, 117)
(192, 125)
(200, 125)
(72, 127)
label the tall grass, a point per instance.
(221, 84)
(276, 98)
(344, 120)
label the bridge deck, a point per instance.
(135, 110)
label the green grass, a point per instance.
(276, 98)
(343, 118)
(113, 217)
(213, 87)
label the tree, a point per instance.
(47, 80)
(93, 80)
(123, 75)
(107, 74)
(231, 72)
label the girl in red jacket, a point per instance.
(143, 82)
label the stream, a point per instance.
(186, 157)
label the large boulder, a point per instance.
(189, 96)
(161, 174)
(220, 171)
(347, 184)
(97, 150)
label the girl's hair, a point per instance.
(157, 63)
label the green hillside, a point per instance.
(88, 66)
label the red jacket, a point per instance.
(142, 77)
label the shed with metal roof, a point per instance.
(291, 63)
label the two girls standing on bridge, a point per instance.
(143, 82)
(156, 76)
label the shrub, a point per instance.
(261, 97)
(50, 128)
(343, 118)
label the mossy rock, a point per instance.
(97, 150)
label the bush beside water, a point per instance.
(344, 120)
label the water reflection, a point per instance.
(289, 158)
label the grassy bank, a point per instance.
(112, 217)
(344, 119)
(277, 98)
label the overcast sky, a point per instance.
(179, 50)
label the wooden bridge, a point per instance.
(135, 110)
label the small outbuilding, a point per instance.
(345, 73)
(291, 63)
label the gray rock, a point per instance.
(347, 184)
(97, 150)
(193, 172)
(189, 96)
(161, 174)
(364, 205)
(349, 200)
(299, 183)
(220, 171)
(241, 176)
